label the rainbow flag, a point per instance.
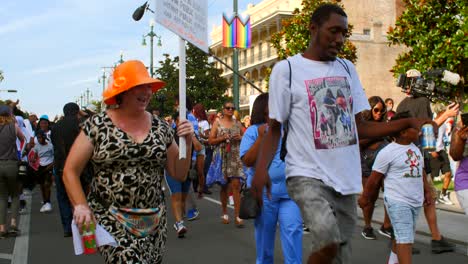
(236, 33)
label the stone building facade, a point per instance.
(375, 56)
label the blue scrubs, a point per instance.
(280, 209)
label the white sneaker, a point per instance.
(445, 200)
(47, 207)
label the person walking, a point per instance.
(400, 166)
(279, 209)
(203, 134)
(369, 149)
(63, 135)
(420, 107)
(226, 134)
(9, 183)
(459, 152)
(129, 150)
(311, 93)
(44, 152)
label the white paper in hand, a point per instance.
(102, 238)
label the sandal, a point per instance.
(239, 222)
(225, 219)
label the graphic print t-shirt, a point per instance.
(402, 166)
(320, 107)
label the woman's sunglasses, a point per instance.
(379, 110)
(230, 108)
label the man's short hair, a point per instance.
(323, 13)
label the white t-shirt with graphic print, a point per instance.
(402, 166)
(320, 107)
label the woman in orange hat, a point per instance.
(129, 149)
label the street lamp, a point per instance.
(121, 57)
(151, 35)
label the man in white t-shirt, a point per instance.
(320, 98)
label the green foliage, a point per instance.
(97, 104)
(435, 32)
(294, 36)
(204, 83)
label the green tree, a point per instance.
(435, 32)
(204, 82)
(294, 35)
(164, 99)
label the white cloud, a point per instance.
(25, 23)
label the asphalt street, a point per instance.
(207, 241)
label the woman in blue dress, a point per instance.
(279, 208)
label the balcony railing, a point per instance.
(255, 59)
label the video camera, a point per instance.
(428, 84)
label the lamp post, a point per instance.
(88, 92)
(235, 66)
(121, 57)
(151, 35)
(103, 80)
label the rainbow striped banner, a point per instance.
(236, 33)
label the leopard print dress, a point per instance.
(128, 175)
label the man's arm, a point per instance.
(367, 129)
(457, 145)
(451, 111)
(265, 156)
(371, 190)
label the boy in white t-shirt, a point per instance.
(400, 165)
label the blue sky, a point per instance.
(52, 51)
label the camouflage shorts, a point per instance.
(330, 216)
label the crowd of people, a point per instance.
(312, 144)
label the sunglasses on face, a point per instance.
(230, 108)
(378, 110)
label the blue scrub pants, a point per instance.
(287, 213)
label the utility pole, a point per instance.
(235, 66)
(87, 96)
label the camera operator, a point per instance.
(420, 107)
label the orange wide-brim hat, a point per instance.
(127, 76)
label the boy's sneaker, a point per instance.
(445, 199)
(180, 229)
(441, 246)
(46, 207)
(386, 231)
(193, 214)
(305, 229)
(368, 233)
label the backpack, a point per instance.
(284, 150)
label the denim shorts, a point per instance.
(176, 186)
(403, 217)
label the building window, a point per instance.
(244, 60)
(268, 50)
(252, 55)
(260, 51)
(366, 31)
